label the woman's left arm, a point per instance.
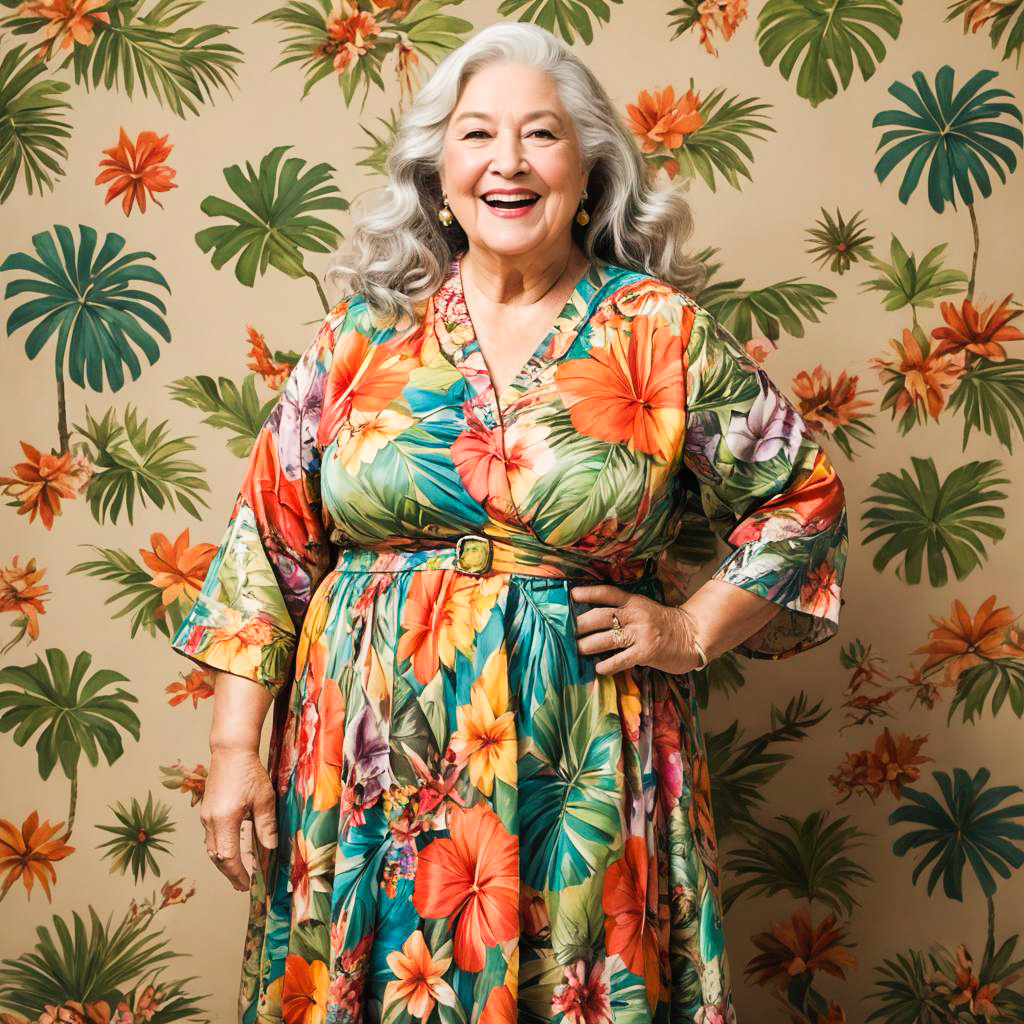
(769, 490)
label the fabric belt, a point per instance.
(477, 555)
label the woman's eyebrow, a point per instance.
(532, 116)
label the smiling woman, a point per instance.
(488, 793)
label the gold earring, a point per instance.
(444, 215)
(582, 217)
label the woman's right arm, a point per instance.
(238, 786)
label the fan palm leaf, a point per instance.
(1003, 678)
(967, 827)
(944, 521)
(953, 136)
(991, 395)
(275, 222)
(31, 124)
(830, 35)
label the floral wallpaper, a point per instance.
(173, 176)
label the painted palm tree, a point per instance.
(953, 136)
(275, 222)
(95, 307)
(831, 35)
(935, 521)
(807, 859)
(99, 967)
(968, 826)
(74, 718)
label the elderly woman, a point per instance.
(487, 796)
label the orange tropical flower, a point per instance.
(28, 853)
(22, 594)
(178, 777)
(70, 21)
(43, 480)
(965, 987)
(473, 876)
(364, 377)
(927, 379)
(437, 619)
(274, 374)
(629, 883)
(662, 121)
(136, 169)
(980, 11)
(795, 947)
(238, 644)
(628, 391)
(500, 467)
(894, 761)
(348, 34)
(309, 870)
(177, 569)
(961, 642)
(977, 332)
(304, 994)
(420, 983)
(501, 1007)
(826, 404)
(721, 15)
(486, 736)
(198, 685)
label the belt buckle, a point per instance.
(473, 554)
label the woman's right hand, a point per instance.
(238, 788)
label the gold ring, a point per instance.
(617, 637)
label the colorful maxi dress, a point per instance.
(475, 827)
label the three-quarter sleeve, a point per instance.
(767, 488)
(276, 547)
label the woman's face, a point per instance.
(510, 133)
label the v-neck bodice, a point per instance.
(458, 341)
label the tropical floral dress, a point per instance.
(474, 825)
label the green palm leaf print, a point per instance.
(944, 521)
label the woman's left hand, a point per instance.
(653, 634)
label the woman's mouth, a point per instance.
(512, 207)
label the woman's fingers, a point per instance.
(226, 843)
(264, 816)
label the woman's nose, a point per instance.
(507, 152)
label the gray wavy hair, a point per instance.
(398, 253)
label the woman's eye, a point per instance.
(478, 131)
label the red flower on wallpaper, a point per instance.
(29, 852)
(137, 169)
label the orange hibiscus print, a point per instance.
(473, 876)
(797, 947)
(274, 374)
(927, 377)
(437, 618)
(23, 594)
(629, 391)
(663, 122)
(420, 983)
(629, 884)
(364, 377)
(304, 994)
(70, 21)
